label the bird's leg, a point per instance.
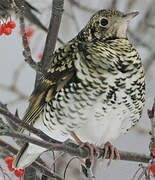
(91, 147)
(113, 151)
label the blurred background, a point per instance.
(17, 78)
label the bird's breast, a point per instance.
(96, 111)
(105, 102)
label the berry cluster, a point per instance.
(6, 28)
(29, 33)
(152, 167)
(17, 172)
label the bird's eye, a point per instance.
(104, 22)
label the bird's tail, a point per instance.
(27, 155)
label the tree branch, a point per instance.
(74, 149)
(152, 119)
(80, 6)
(57, 10)
(10, 123)
(50, 143)
(70, 148)
(22, 124)
(27, 52)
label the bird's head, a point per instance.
(107, 24)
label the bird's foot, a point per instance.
(93, 149)
(113, 152)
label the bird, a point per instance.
(93, 91)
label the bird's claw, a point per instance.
(93, 149)
(113, 151)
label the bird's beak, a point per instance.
(123, 22)
(127, 17)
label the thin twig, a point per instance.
(8, 147)
(22, 124)
(46, 171)
(69, 162)
(16, 74)
(84, 8)
(12, 125)
(13, 90)
(27, 51)
(152, 119)
(151, 114)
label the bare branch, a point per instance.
(113, 4)
(8, 147)
(152, 119)
(22, 124)
(72, 148)
(57, 10)
(56, 145)
(13, 90)
(84, 8)
(27, 51)
(46, 171)
(12, 125)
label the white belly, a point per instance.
(106, 127)
(93, 124)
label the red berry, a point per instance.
(7, 31)
(153, 151)
(10, 167)
(29, 32)
(19, 172)
(3, 26)
(11, 24)
(40, 55)
(152, 169)
(1, 31)
(8, 160)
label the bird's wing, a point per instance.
(60, 72)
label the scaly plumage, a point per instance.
(94, 87)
